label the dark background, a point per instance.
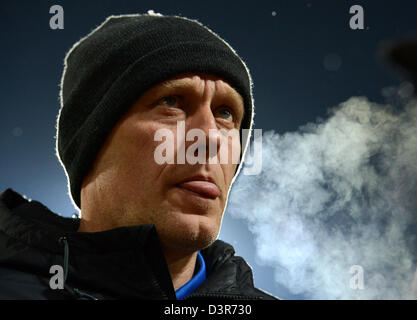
(303, 59)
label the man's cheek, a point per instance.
(144, 145)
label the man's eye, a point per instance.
(225, 114)
(171, 101)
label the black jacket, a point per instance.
(122, 263)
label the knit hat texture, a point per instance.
(108, 70)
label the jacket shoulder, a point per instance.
(11, 199)
(229, 274)
(245, 275)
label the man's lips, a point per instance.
(206, 189)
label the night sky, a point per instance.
(302, 55)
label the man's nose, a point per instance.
(204, 120)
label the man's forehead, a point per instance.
(190, 81)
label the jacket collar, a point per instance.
(124, 262)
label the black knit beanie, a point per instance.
(108, 70)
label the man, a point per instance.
(146, 230)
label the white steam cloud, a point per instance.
(336, 194)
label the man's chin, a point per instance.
(188, 240)
(191, 246)
(188, 232)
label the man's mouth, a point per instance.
(201, 187)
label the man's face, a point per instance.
(130, 188)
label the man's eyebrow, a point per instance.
(176, 84)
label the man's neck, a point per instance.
(181, 266)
